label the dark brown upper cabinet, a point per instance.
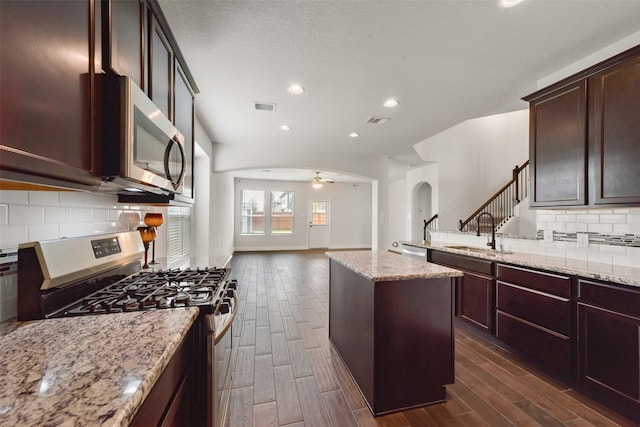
(584, 140)
(557, 151)
(184, 119)
(125, 38)
(160, 68)
(615, 133)
(48, 93)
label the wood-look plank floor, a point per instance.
(287, 374)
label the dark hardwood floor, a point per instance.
(287, 374)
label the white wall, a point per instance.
(229, 158)
(398, 217)
(475, 159)
(350, 216)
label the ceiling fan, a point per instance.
(317, 181)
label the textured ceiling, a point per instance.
(445, 61)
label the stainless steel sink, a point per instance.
(489, 252)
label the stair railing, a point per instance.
(430, 225)
(502, 203)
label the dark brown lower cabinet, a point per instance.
(475, 300)
(475, 291)
(395, 337)
(609, 345)
(534, 315)
(170, 402)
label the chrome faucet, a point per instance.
(492, 243)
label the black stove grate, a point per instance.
(204, 288)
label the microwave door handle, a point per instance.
(183, 166)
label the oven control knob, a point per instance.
(229, 293)
(223, 308)
(233, 284)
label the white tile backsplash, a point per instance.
(72, 198)
(12, 235)
(81, 215)
(44, 198)
(587, 218)
(10, 197)
(24, 215)
(600, 228)
(4, 214)
(57, 215)
(42, 232)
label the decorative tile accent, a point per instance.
(630, 240)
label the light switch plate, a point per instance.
(548, 235)
(582, 240)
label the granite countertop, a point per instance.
(387, 266)
(587, 269)
(88, 371)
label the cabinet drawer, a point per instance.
(463, 262)
(546, 282)
(551, 349)
(610, 296)
(543, 309)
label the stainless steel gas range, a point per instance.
(98, 275)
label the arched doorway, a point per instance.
(421, 209)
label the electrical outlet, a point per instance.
(548, 235)
(582, 240)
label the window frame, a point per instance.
(292, 199)
(243, 216)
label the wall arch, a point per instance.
(421, 208)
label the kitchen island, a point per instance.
(89, 370)
(391, 321)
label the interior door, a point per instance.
(319, 225)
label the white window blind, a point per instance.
(179, 238)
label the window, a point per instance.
(281, 212)
(319, 212)
(252, 212)
(179, 232)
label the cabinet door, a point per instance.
(46, 82)
(126, 37)
(475, 299)
(557, 147)
(615, 133)
(184, 113)
(609, 356)
(160, 68)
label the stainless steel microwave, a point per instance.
(141, 149)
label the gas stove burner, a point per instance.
(201, 287)
(126, 304)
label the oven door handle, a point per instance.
(220, 333)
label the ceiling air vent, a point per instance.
(376, 120)
(264, 106)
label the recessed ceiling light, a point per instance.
(354, 134)
(295, 89)
(390, 103)
(509, 3)
(285, 127)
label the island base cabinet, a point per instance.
(396, 337)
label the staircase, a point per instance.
(502, 204)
